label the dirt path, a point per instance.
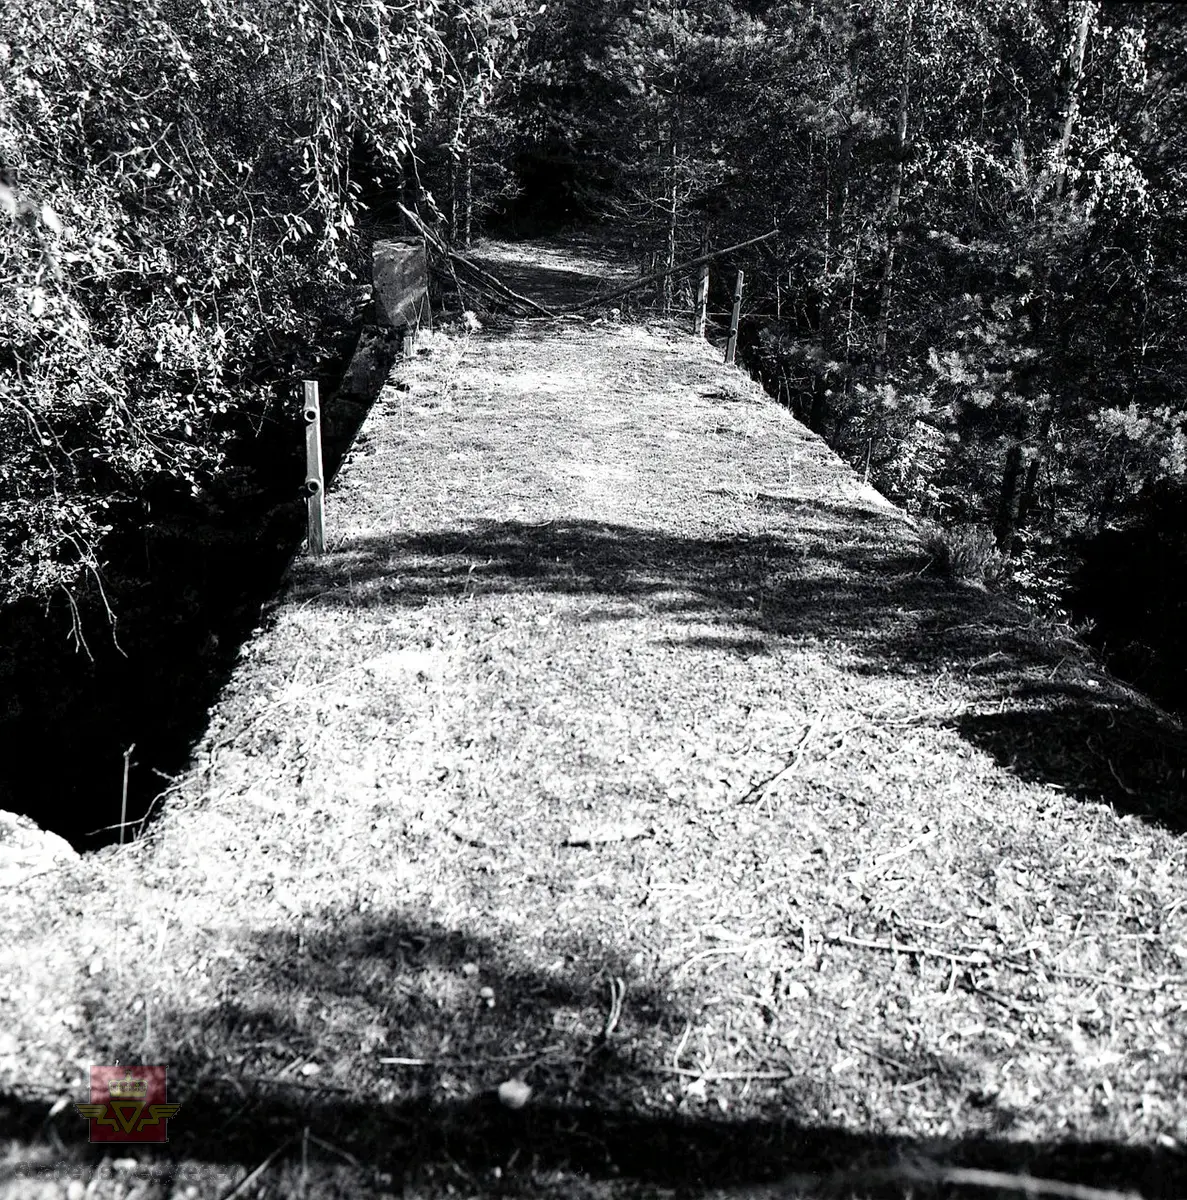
(556, 275)
(619, 747)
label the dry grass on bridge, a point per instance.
(620, 747)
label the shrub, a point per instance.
(967, 554)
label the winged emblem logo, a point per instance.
(128, 1104)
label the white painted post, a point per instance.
(732, 345)
(314, 473)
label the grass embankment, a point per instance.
(620, 747)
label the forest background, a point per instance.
(977, 292)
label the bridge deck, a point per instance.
(619, 696)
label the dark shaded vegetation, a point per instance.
(1131, 757)
(139, 663)
(1087, 735)
(598, 1113)
(1129, 586)
(1125, 582)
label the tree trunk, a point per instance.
(453, 197)
(1030, 483)
(836, 202)
(1007, 505)
(852, 306)
(467, 198)
(885, 288)
(1071, 108)
(818, 415)
(670, 239)
(1019, 461)
(456, 151)
(1027, 483)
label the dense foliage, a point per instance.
(176, 206)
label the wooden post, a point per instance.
(124, 794)
(407, 331)
(702, 311)
(314, 474)
(732, 344)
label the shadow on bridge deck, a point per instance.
(1074, 728)
(430, 1144)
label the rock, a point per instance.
(514, 1093)
(26, 849)
(399, 272)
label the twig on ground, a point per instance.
(252, 1176)
(460, 1063)
(979, 959)
(680, 1045)
(717, 950)
(617, 995)
(1120, 782)
(1010, 1005)
(280, 702)
(583, 835)
(759, 789)
(885, 859)
(809, 952)
(468, 836)
(720, 1076)
(890, 1061)
(345, 1155)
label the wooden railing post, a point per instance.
(315, 484)
(732, 344)
(702, 311)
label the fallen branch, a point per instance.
(982, 958)
(451, 255)
(644, 280)
(499, 287)
(1087, 977)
